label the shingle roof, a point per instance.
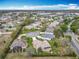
(18, 42)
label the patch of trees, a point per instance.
(75, 26)
(58, 33)
(64, 27)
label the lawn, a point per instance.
(20, 56)
(25, 30)
(4, 42)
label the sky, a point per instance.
(39, 5)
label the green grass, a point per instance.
(3, 44)
(20, 56)
(24, 30)
(29, 41)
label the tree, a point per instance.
(64, 27)
(39, 49)
(55, 44)
(58, 33)
(74, 28)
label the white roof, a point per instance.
(41, 44)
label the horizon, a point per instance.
(39, 5)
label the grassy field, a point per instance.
(20, 56)
(4, 40)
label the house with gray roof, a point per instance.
(46, 35)
(18, 46)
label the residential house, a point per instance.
(44, 45)
(18, 45)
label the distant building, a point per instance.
(5, 33)
(34, 25)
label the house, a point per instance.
(9, 26)
(52, 26)
(18, 46)
(33, 34)
(34, 25)
(44, 45)
(46, 35)
(41, 35)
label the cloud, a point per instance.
(73, 6)
(46, 7)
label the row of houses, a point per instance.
(40, 40)
(9, 21)
(34, 25)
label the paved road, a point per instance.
(74, 37)
(70, 25)
(74, 43)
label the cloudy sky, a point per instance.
(39, 4)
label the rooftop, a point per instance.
(17, 43)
